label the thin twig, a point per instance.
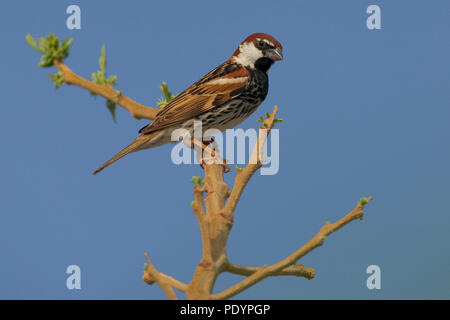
(244, 175)
(136, 109)
(162, 282)
(315, 242)
(298, 270)
(170, 280)
(199, 212)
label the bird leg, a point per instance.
(224, 161)
(212, 154)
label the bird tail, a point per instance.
(136, 145)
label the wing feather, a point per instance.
(218, 86)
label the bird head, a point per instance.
(258, 50)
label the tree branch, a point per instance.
(315, 242)
(199, 212)
(152, 275)
(170, 280)
(297, 270)
(243, 176)
(136, 109)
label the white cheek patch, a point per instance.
(248, 54)
(229, 80)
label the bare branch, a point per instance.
(298, 270)
(199, 212)
(136, 109)
(170, 280)
(254, 164)
(315, 242)
(151, 274)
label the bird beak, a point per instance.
(275, 54)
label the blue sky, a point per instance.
(365, 113)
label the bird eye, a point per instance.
(261, 43)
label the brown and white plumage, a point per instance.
(221, 99)
(217, 87)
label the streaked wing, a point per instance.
(218, 86)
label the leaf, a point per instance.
(168, 96)
(197, 180)
(57, 78)
(44, 43)
(112, 80)
(99, 77)
(94, 77)
(260, 119)
(46, 61)
(102, 59)
(363, 201)
(51, 48)
(112, 109)
(67, 43)
(165, 89)
(161, 103)
(32, 42)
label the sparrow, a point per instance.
(221, 99)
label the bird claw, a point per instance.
(213, 155)
(215, 159)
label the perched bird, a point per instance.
(221, 99)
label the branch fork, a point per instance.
(215, 214)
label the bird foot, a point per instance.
(215, 159)
(210, 155)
